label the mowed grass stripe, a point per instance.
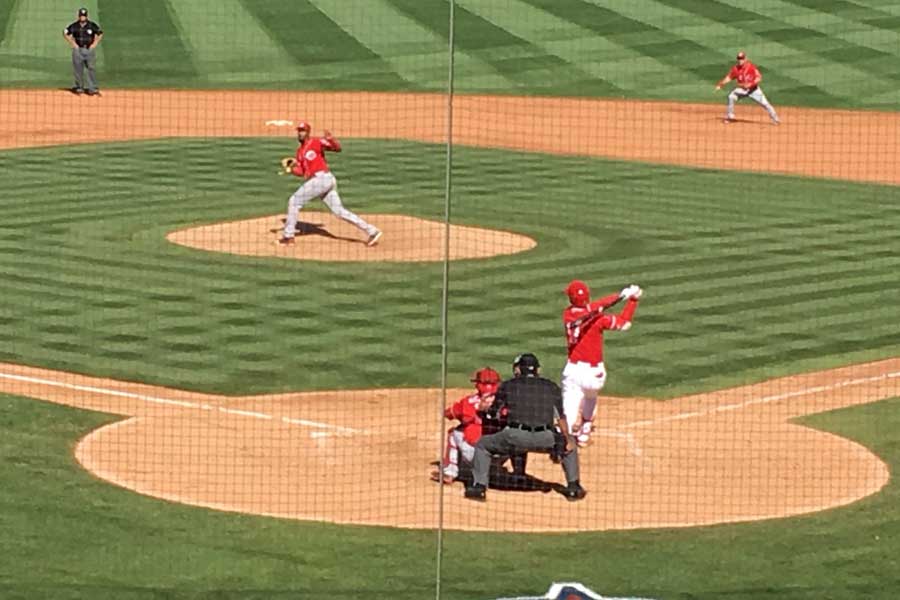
(414, 52)
(226, 40)
(144, 46)
(606, 74)
(6, 11)
(319, 45)
(527, 66)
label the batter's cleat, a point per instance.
(285, 241)
(574, 492)
(374, 238)
(584, 436)
(476, 492)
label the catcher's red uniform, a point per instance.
(465, 410)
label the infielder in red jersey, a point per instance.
(584, 374)
(309, 163)
(748, 77)
(468, 410)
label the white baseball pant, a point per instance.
(456, 446)
(581, 382)
(756, 95)
(321, 185)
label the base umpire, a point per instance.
(534, 407)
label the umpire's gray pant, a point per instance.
(81, 58)
(509, 441)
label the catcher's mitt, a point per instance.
(287, 164)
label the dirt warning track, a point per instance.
(726, 456)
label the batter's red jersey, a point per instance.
(585, 339)
(311, 155)
(747, 75)
(466, 410)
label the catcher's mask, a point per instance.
(486, 381)
(578, 293)
(527, 364)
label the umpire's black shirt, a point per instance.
(84, 33)
(531, 401)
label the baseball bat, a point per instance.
(592, 314)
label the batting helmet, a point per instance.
(527, 363)
(486, 381)
(303, 126)
(578, 293)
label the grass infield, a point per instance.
(798, 277)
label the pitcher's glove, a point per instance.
(287, 164)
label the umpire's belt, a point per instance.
(535, 428)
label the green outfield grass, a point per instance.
(799, 276)
(68, 536)
(812, 52)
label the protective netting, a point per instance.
(288, 252)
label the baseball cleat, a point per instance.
(727, 120)
(76, 90)
(445, 479)
(373, 239)
(583, 440)
(476, 492)
(285, 241)
(574, 492)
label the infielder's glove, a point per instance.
(287, 164)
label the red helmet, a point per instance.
(303, 126)
(578, 293)
(486, 381)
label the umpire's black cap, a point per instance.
(527, 363)
(82, 12)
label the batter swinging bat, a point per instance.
(592, 314)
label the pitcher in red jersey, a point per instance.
(310, 164)
(584, 374)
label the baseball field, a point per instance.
(190, 410)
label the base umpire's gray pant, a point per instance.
(81, 58)
(509, 441)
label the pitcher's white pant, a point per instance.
(757, 95)
(581, 382)
(321, 185)
(456, 446)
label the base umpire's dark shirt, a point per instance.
(531, 401)
(84, 36)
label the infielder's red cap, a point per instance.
(578, 292)
(741, 55)
(303, 126)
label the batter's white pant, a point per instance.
(321, 185)
(581, 382)
(456, 446)
(757, 95)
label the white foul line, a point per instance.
(184, 404)
(764, 400)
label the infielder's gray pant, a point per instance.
(757, 95)
(81, 58)
(321, 185)
(509, 441)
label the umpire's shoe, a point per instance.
(574, 492)
(477, 492)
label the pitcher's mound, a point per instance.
(322, 236)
